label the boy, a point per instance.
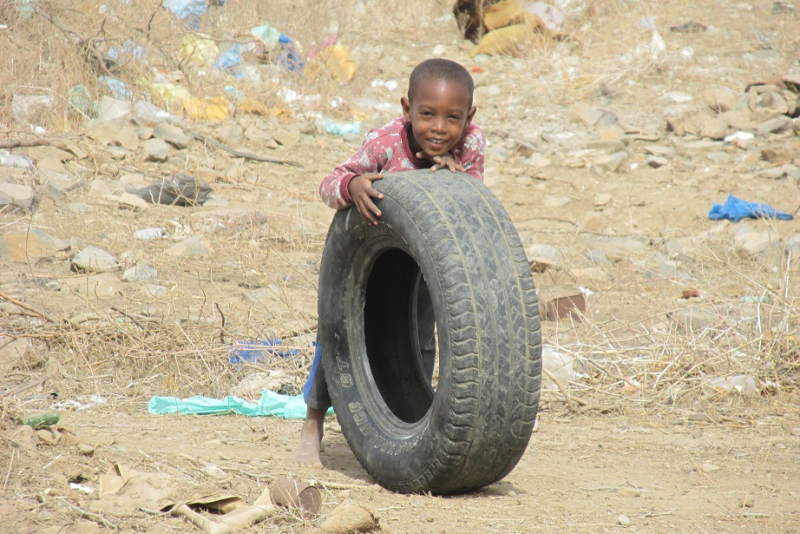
(435, 132)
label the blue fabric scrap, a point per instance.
(736, 209)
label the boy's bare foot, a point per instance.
(310, 440)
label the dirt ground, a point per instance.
(644, 444)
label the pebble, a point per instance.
(21, 196)
(172, 135)
(156, 150)
(657, 162)
(140, 273)
(623, 520)
(191, 247)
(93, 259)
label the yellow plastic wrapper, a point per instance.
(206, 109)
(169, 91)
(198, 49)
(339, 62)
(508, 41)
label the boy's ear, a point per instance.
(470, 115)
(406, 108)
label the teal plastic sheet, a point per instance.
(271, 405)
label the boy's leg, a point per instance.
(315, 393)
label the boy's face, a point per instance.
(438, 115)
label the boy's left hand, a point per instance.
(440, 162)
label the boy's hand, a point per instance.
(440, 162)
(362, 193)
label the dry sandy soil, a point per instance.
(645, 443)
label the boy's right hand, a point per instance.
(362, 193)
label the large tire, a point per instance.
(471, 430)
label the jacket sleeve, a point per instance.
(473, 153)
(366, 160)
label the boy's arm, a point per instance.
(472, 153)
(334, 190)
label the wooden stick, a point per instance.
(245, 155)
(28, 308)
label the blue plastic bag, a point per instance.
(736, 209)
(253, 351)
(189, 11)
(271, 405)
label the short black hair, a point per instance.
(440, 69)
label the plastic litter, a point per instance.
(41, 420)
(689, 27)
(253, 351)
(117, 87)
(24, 107)
(151, 112)
(148, 233)
(81, 100)
(288, 50)
(736, 209)
(13, 160)
(129, 50)
(739, 136)
(686, 53)
(271, 404)
(339, 62)
(506, 41)
(170, 91)
(561, 365)
(741, 384)
(206, 109)
(190, 11)
(339, 128)
(198, 49)
(648, 23)
(230, 60)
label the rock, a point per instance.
(660, 151)
(720, 99)
(127, 138)
(112, 109)
(629, 492)
(117, 152)
(287, 138)
(692, 320)
(258, 136)
(57, 186)
(144, 133)
(18, 354)
(78, 208)
(140, 273)
(524, 149)
(172, 135)
(601, 199)
(792, 246)
(156, 150)
(775, 173)
(776, 125)
(756, 244)
(86, 449)
(230, 134)
(778, 154)
(623, 520)
(538, 160)
(20, 196)
(719, 157)
(715, 129)
(99, 189)
(738, 119)
(48, 437)
(191, 247)
(350, 517)
(612, 162)
(38, 153)
(587, 115)
(708, 467)
(153, 291)
(657, 162)
(23, 246)
(25, 437)
(548, 252)
(594, 223)
(129, 199)
(93, 259)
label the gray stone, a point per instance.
(738, 118)
(172, 135)
(720, 99)
(230, 134)
(547, 252)
(587, 115)
(257, 135)
(127, 138)
(23, 246)
(140, 273)
(21, 196)
(599, 257)
(755, 244)
(94, 259)
(153, 291)
(524, 149)
(117, 152)
(660, 151)
(58, 185)
(38, 153)
(611, 162)
(775, 173)
(694, 320)
(79, 208)
(156, 150)
(99, 188)
(287, 138)
(715, 129)
(192, 247)
(776, 125)
(657, 162)
(792, 246)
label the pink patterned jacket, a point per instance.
(387, 149)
